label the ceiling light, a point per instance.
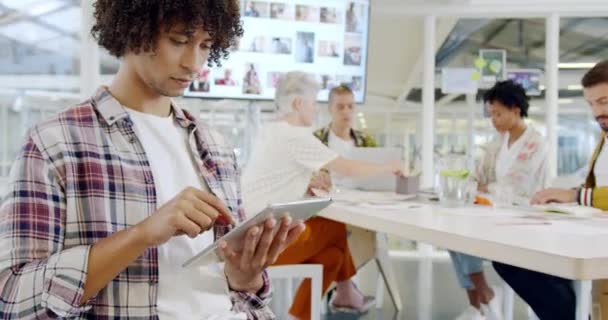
(575, 87)
(576, 65)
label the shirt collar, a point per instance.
(112, 111)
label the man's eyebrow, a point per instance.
(184, 32)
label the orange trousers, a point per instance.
(322, 242)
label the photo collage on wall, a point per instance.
(327, 39)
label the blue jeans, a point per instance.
(465, 265)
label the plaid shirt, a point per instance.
(80, 177)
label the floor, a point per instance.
(447, 300)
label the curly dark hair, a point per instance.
(134, 25)
(510, 94)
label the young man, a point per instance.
(108, 198)
(339, 135)
(553, 297)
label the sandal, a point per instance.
(368, 303)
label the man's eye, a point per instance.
(180, 42)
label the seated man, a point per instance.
(108, 198)
(552, 297)
(339, 135)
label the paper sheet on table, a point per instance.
(392, 206)
(571, 227)
(387, 209)
(483, 211)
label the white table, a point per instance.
(573, 249)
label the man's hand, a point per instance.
(320, 181)
(483, 188)
(554, 195)
(262, 247)
(397, 168)
(191, 212)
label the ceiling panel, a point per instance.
(67, 20)
(27, 32)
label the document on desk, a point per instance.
(483, 211)
(383, 210)
(392, 206)
(571, 227)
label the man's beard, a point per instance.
(604, 126)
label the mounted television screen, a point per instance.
(527, 78)
(326, 38)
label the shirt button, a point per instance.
(132, 140)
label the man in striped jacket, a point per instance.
(552, 297)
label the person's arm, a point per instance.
(354, 168)
(38, 275)
(593, 197)
(190, 212)
(311, 153)
(253, 302)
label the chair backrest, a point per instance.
(297, 271)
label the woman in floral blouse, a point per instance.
(513, 163)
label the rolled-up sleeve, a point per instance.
(39, 277)
(254, 305)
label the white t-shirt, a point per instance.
(283, 161)
(182, 293)
(601, 167)
(343, 148)
(339, 145)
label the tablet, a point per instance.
(297, 210)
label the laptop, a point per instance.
(384, 182)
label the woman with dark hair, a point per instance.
(513, 163)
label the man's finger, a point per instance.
(278, 242)
(251, 243)
(266, 239)
(215, 202)
(205, 208)
(294, 233)
(227, 254)
(189, 227)
(202, 220)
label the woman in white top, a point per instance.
(285, 157)
(514, 163)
